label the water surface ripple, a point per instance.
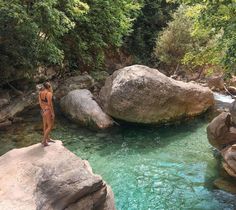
(148, 168)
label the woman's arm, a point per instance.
(50, 103)
(40, 102)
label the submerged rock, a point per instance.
(80, 106)
(143, 95)
(225, 185)
(51, 177)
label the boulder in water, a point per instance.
(51, 177)
(144, 95)
(80, 106)
(229, 164)
(220, 131)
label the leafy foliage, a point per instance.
(175, 40)
(64, 32)
(185, 43)
(153, 17)
(30, 32)
(219, 17)
(103, 27)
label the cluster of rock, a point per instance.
(80, 107)
(10, 107)
(136, 94)
(221, 133)
(50, 178)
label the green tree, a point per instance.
(152, 18)
(30, 31)
(184, 45)
(219, 17)
(55, 32)
(175, 40)
(103, 27)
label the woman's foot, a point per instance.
(46, 144)
(51, 140)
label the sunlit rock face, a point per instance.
(229, 163)
(221, 132)
(144, 95)
(79, 106)
(43, 178)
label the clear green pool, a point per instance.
(168, 167)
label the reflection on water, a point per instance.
(168, 167)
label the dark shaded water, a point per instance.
(168, 167)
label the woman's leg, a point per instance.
(44, 125)
(48, 121)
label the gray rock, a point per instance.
(73, 83)
(5, 124)
(232, 90)
(220, 131)
(143, 95)
(216, 83)
(79, 106)
(50, 178)
(232, 110)
(4, 99)
(229, 162)
(17, 105)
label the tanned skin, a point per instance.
(47, 110)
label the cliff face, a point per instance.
(48, 178)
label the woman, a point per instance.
(47, 111)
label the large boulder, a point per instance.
(220, 131)
(144, 95)
(72, 83)
(50, 178)
(80, 106)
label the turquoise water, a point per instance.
(167, 167)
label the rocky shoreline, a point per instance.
(221, 133)
(135, 94)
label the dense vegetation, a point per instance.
(189, 35)
(200, 36)
(71, 34)
(152, 18)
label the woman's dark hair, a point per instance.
(46, 85)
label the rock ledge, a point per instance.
(48, 178)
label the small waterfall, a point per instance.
(222, 101)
